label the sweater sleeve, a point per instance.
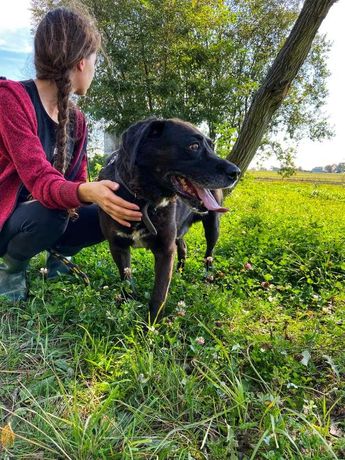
(82, 173)
(24, 149)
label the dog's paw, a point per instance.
(180, 266)
(208, 262)
(209, 278)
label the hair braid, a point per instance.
(62, 155)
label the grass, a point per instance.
(301, 176)
(248, 363)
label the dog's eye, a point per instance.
(194, 147)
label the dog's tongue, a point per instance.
(209, 200)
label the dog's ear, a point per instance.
(135, 134)
(156, 128)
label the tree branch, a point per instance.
(276, 85)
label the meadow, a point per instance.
(301, 176)
(248, 363)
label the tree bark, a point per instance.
(276, 85)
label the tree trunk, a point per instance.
(276, 85)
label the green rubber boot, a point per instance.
(13, 279)
(55, 267)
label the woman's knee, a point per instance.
(42, 222)
(33, 228)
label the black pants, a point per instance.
(32, 228)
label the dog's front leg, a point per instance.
(122, 258)
(164, 262)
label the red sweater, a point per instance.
(23, 160)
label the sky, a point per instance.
(16, 63)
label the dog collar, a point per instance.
(147, 221)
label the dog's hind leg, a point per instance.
(164, 262)
(211, 227)
(181, 253)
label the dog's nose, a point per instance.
(233, 171)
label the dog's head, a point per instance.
(176, 157)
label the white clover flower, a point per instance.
(127, 271)
(200, 340)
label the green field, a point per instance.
(299, 176)
(248, 363)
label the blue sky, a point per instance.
(16, 63)
(13, 65)
(15, 40)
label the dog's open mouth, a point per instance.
(192, 192)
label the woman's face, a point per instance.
(82, 75)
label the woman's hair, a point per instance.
(63, 38)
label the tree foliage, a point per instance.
(164, 58)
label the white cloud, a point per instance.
(15, 15)
(16, 40)
(15, 21)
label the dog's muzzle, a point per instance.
(232, 172)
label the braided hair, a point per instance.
(63, 38)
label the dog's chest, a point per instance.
(137, 237)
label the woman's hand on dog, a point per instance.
(102, 193)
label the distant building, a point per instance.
(111, 142)
(318, 169)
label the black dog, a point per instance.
(167, 167)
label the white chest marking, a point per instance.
(136, 236)
(163, 203)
